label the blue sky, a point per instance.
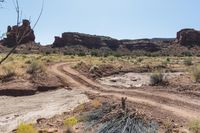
(129, 19)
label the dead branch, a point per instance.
(19, 37)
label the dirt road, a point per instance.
(160, 104)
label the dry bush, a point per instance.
(187, 62)
(79, 64)
(196, 73)
(157, 78)
(93, 68)
(7, 72)
(35, 67)
(194, 126)
(96, 103)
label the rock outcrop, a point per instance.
(188, 37)
(19, 34)
(96, 42)
(89, 41)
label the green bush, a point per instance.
(81, 54)
(26, 128)
(71, 121)
(94, 53)
(194, 126)
(79, 64)
(47, 52)
(157, 78)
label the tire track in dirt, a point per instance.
(180, 107)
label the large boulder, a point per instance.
(188, 37)
(19, 34)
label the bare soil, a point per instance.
(164, 104)
(16, 110)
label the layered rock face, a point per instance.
(89, 41)
(188, 37)
(96, 42)
(19, 34)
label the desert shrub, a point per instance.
(111, 58)
(71, 121)
(188, 62)
(194, 126)
(196, 73)
(79, 64)
(35, 67)
(116, 54)
(139, 59)
(166, 62)
(93, 68)
(7, 72)
(26, 128)
(68, 53)
(28, 62)
(96, 103)
(94, 53)
(81, 54)
(47, 52)
(187, 53)
(157, 78)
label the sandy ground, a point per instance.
(159, 104)
(131, 79)
(14, 110)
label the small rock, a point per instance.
(175, 130)
(40, 120)
(113, 80)
(50, 124)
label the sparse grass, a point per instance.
(157, 78)
(35, 67)
(196, 73)
(194, 126)
(71, 121)
(26, 128)
(7, 72)
(188, 61)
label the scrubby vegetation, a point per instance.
(96, 103)
(35, 67)
(71, 121)
(7, 72)
(157, 78)
(26, 128)
(194, 126)
(196, 73)
(188, 61)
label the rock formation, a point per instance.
(188, 37)
(89, 41)
(21, 34)
(96, 42)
